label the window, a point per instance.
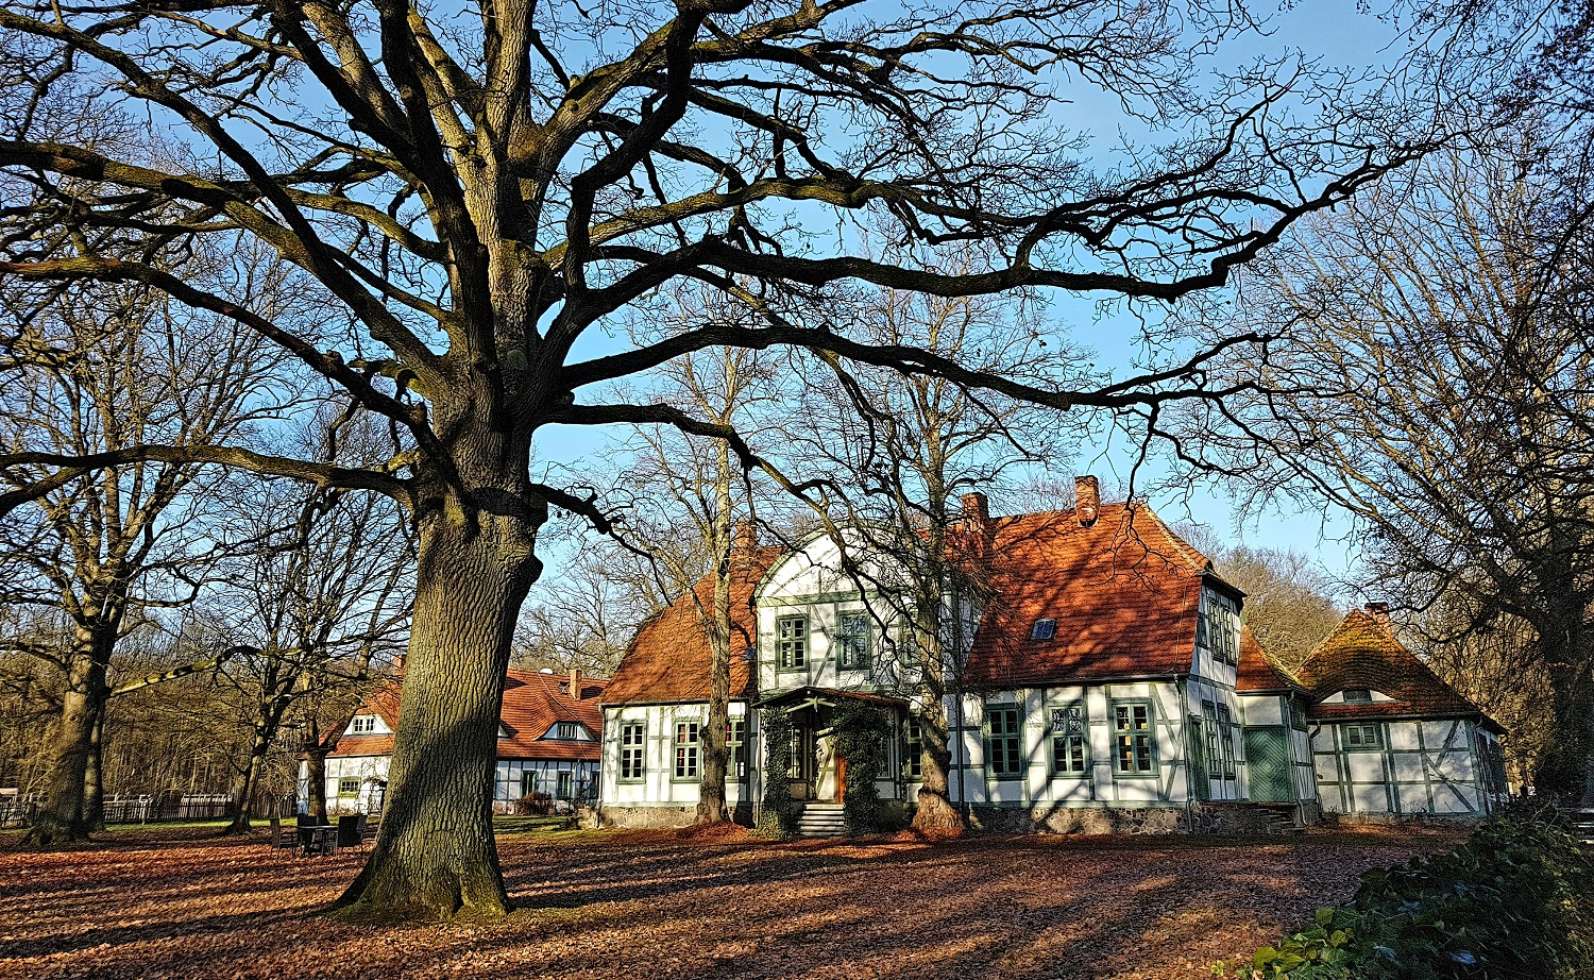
(1226, 740)
(567, 730)
(1215, 628)
(564, 785)
(791, 642)
(1363, 737)
(1297, 715)
(686, 750)
(736, 744)
(852, 641)
(1070, 741)
(1135, 751)
(1044, 629)
(913, 750)
(633, 748)
(1209, 714)
(363, 724)
(528, 783)
(348, 787)
(1002, 742)
(1358, 695)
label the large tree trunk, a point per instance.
(94, 776)
(711, 806)
(60, 817)
(935, 813)
(435, 855)
(1564, 771)
(315, 757)
(246, 777)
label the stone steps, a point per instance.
(822, 820)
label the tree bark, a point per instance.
(435, 855)
(711, 806)
(94, 778)
(247, 777)
(315, 757)
(60, 818)
(935, 812)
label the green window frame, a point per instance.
(736, 745)
(913, 749)
(564, 785)
(1070, 740)
(1216, 628)
(791, 642)
(528, 782)
(1363, 737)
(1004, 741)
(1226, 734)
(853, 644)
(687, 757)
(1210, 729)
(349, 786)
(1134, 738)
(633, 751)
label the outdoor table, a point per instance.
(318, 839)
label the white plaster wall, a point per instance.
(371, 770)
(657, 787)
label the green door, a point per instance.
(1268, 764)
(1200, 783)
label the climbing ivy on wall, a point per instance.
(862, 733)
(778, 813)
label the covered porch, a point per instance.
(818, 770)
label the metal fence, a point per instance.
(19, 810)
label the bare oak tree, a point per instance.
(475, 197)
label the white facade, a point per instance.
(651, 780)
(1443, 767)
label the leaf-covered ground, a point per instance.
(659, 905)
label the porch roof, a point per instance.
(803, 696)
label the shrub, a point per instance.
(778, 814)
(862, 733)
(534, 805)
(1515, 900)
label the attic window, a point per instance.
(567, 729)
(1358, 695)
(363, 724)
(1044, 629)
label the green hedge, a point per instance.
(1515, 900)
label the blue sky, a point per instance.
(1339, 36)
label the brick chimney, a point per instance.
(976, 510)
(975, 530)
(744, 537)
(1380, 613)
(575, 683)
(1087, 500)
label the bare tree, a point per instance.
(1289, 602)
(325, 595)
(902, 451)
(103, 369)
(1438, 372)
(476, 198)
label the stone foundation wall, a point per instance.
(1198, 818)
(1400, 819)
(660, 817)
(646, 817)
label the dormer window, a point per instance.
(567, 730)
(363, 725)
(1044, 629)
(503, 730)
(1358, 695)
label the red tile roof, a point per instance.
(1258, 672)
(1363, 652)
(533, 703)
(669, 657)
(1124, 592)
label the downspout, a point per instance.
(957, 688)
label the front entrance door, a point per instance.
(841, 778)
(1268, 764)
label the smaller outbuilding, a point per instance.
(549, 733)
(1388, 737)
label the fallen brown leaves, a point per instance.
(690, 904)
